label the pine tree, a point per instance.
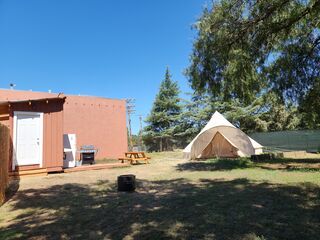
(195, 115)
(265, 113)
(244, 48)
(162, 122)
(260, 61)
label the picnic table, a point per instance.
(135, 157)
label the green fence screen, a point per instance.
(308, 140)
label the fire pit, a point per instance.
(87, 154)
(126, 183)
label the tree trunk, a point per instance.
(167, 144)
(160, 148)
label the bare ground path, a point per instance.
(175, 199)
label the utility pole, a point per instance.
(130, 102)
(140, 134)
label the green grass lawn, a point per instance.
(175, 199)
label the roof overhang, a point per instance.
(30, 101)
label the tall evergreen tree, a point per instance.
(196, 113)
(162, 122)
(259, 61)
(263, 114)
(247, 46)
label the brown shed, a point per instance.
(36, 129)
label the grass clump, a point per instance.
(228, 164)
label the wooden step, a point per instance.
(27, 167)
(29, 173)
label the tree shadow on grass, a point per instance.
(290, 164)
(171, 209)
(290, 167)
(215, 165)
(293, 160)
(302, 165)
(12, 189)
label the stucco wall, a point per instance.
(95, 120)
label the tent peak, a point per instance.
(217, 114)
(218, 119)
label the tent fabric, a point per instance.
(258, 148)
(233, 135)
(216, 120)
(219, 146)
(228, 135)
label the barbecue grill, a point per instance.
(87, 154)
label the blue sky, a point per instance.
(109, 48)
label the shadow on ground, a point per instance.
(304, 165)
(12, 189)
(214, 165)
(293, 160)
(172, 209)
(288, 164)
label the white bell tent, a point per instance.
(219, 138)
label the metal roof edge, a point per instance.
(72, 95)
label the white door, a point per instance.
(28, 138)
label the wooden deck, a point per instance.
(96, 167)
(44, 172)
(28, 173)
